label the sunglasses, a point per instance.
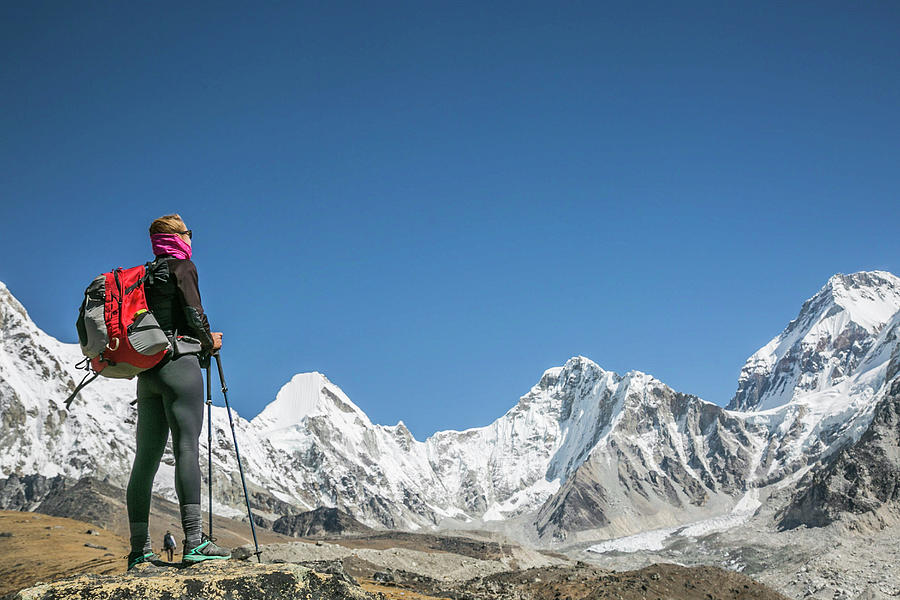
(188, 233)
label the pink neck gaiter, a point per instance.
(170, 244)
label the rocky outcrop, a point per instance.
(214, 579)
(27, 492)
(320, 522)
(88, 499)
(861, 478)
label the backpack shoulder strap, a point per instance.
(151, 269)
(84, 382)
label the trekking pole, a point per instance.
(237, 454)
(209, 440)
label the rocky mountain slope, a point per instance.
(660, 459)
(96, 438)
(101, 504)
(320, 522)
(815, 385)
(585, 453)
(861, 479)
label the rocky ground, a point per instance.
(225, 580)
(400, 564)
(493, 571)
(657, 582)
(859, 558)
(853, 558)
(35, 547)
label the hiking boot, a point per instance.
(206, 550)
(136, 558)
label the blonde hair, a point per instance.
(168, 224)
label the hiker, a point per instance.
(169, 545)
(170, 395)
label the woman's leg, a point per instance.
(152, 434)
(183, 402)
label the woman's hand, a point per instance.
(217, 341)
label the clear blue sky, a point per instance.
(432, 203)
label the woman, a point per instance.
(170, 397)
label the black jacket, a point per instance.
(174, 299)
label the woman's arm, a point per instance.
(186, 275)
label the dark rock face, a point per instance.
(27, 492)
(213, 579)
(319, 522)
(87, 500)
(894, 365)
(861, 478)
(575, 506)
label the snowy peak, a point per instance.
(871, 297)
(867, 299)
(581, 389)
(824, 345)
(307, 395)
(12, 314)
(577, 368)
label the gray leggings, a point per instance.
(170, 397)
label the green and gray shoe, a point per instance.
(206, 550)
(136, 558)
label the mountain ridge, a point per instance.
(585, 452)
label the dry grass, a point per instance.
(44, 548)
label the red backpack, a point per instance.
(118, 334)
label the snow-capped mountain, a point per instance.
(585, 450)
(97, 437)
(863, 477)
(814, 387)
(657, 458)
(37, 434)
(824, 345)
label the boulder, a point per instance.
(222, 580)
